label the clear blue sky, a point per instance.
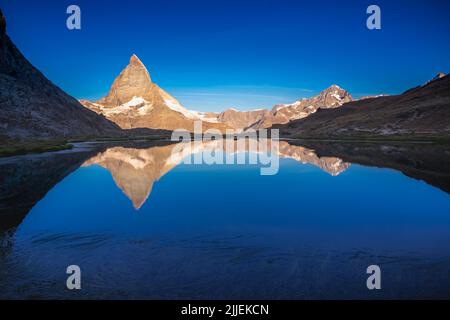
(247, 54)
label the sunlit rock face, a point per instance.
(241, 119)
(136, 170)
(133, 81)
(134, 101)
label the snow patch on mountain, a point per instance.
(175, 106)
(135, 101)
(205, 116)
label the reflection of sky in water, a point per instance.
(226, 231)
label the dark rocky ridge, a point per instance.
(32, 107)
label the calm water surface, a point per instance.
(140, 224)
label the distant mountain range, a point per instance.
(330, 98)
(134, 101)
(421, 112)
(34, 108)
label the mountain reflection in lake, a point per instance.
(141, 224)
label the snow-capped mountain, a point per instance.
(419, 112)
(134, 101)
(332, 97)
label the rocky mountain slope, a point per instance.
(423, 111)
(32, 107)
(134, 101)
(242, 119)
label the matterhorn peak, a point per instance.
(133, 81)
(134, 59)
(137, 63)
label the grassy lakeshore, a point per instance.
(20, 147)
(11, 148)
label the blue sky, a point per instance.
(216, 54)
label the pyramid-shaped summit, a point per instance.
(133, 81)
(137, 63)
(134, 101)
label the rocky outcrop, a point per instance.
(421, 112)
(330, 98)
(438, 76)
(33, 107)
(241, 119)
(134, 101)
